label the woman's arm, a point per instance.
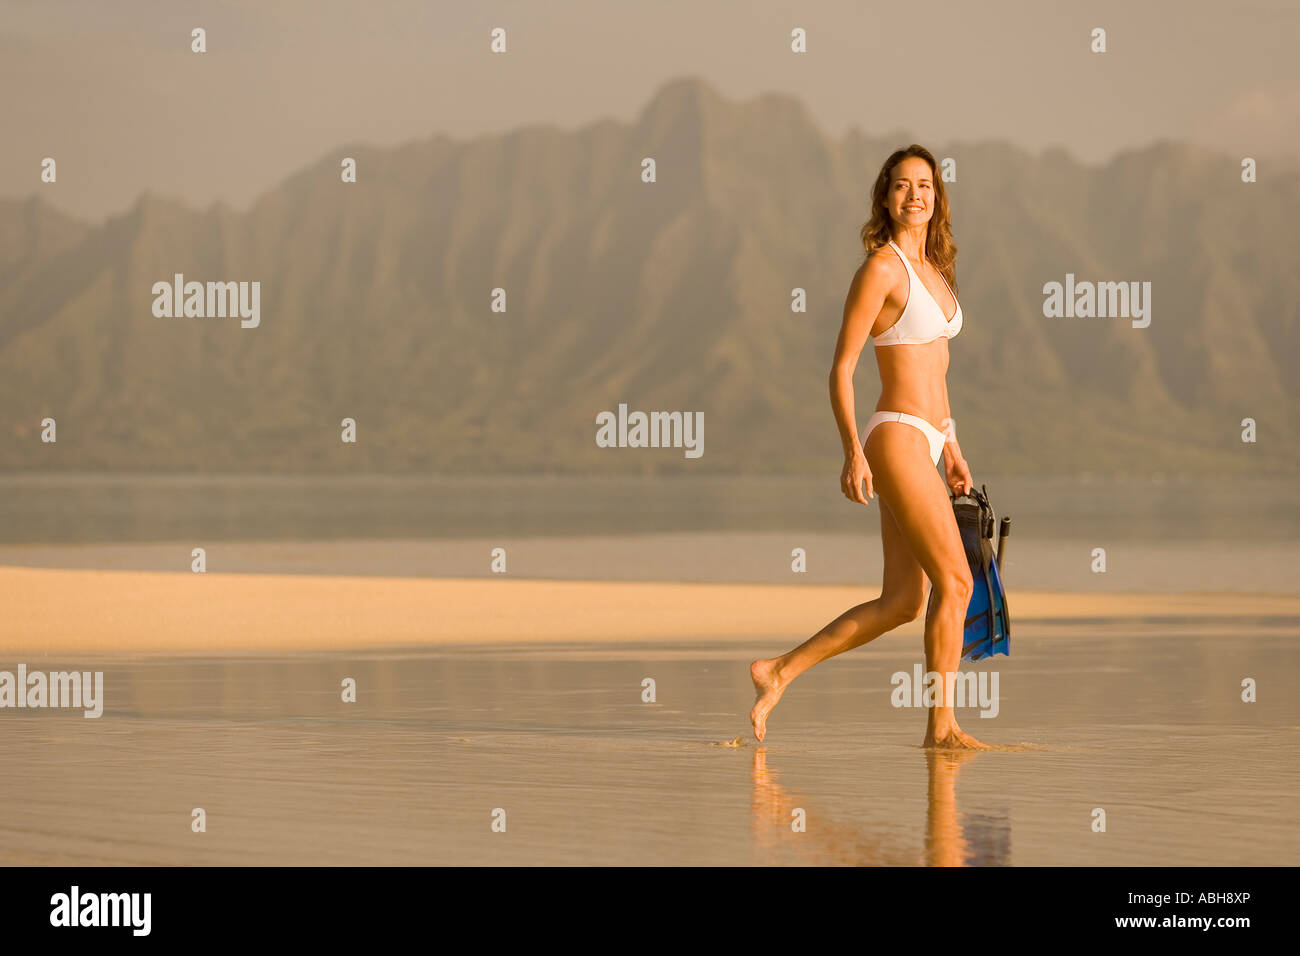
(867, 294)
(954, 465)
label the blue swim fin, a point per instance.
(988, 621)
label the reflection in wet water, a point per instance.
(951, 838)
(1149, 727)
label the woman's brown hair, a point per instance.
(879, 229)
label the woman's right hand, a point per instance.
(854, 474)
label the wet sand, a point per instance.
(1149, 727)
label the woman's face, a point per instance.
(911, 192)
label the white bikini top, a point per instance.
(922, 320)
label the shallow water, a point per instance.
(70, 507)
(1147, 725)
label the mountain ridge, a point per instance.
(672, 296)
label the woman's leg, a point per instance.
(904, 475)
(902, 598)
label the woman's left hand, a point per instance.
(959, 479)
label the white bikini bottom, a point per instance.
(932, 434)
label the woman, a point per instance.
(903, 296)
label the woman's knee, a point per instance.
(903, 608)
(954, 586)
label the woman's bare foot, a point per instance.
(768, 688)
(953, 739)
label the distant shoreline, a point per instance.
(1037, 561)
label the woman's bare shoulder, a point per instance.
(881, 266)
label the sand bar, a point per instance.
(51, 610)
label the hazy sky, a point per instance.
(113, 93)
